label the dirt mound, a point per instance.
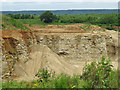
(75, 28)
(43, 57)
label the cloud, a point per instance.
(3, 0)
(59, 0)
(11, 6)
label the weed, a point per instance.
(43, 75)
(83, 28)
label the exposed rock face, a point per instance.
(25, 53)
(13, 50)
(80, 47)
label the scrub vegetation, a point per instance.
(95, 75)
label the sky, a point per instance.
(18, 5)
(59, 0)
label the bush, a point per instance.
(11, 23)
(107, 19)
(48, 17)
(27, 16)
(97, 75)
(17, 16)
(43, 75)
(3, 26)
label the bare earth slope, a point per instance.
(60, 48)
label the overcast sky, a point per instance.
(14, 5)
(59, 0)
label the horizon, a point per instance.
(64, 9)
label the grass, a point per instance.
(83, 28)
(95, 75)
(38, 22)
(61, 81)
(10, 23)
(15, 84)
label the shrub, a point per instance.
(43, 75)
(11, 23)
(107, 19)
(27, 16)
(3, 26)
(97, 74)
(22, 16)
(32, 17)
(17, 16)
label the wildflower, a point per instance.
(73, 86)
(36, 85)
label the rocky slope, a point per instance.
(57, 48)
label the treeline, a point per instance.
(98, 19)
(109, 19)
(19, 16)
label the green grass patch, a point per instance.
(10, 23)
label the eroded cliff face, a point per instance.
(81, 47)
(23, 53)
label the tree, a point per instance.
(32, 17)
(23, 16)
(107, 19)
(17, 16)
(48, 17)
(27, 16)
(10, 15)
